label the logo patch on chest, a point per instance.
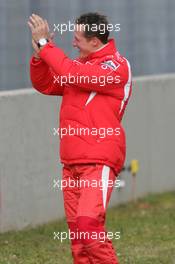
(111, 64)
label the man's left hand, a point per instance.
(39, 28)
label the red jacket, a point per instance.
(95, 104)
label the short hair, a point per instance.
(94, 19)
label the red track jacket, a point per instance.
(93, 105)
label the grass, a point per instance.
(147, 230)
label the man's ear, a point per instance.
(96, 42)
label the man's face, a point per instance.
(83, 44)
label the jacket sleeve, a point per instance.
(106, 79)
(42, 78)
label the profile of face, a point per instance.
(84, 45)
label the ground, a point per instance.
(147, 236)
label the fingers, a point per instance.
(36, 21)
(46, 24)
(39, 19)
(31, 26)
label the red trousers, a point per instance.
(87, 190)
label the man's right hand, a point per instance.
(36, 49)
(50, 36)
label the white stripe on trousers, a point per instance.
(105, 180)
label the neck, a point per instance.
(101, 47)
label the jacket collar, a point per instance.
(108, 50)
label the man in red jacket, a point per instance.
(96, 88)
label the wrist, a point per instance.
(42, 42)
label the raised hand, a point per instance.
(39, 29)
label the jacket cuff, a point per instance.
(34, 61)
(45, 48)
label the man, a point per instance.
(96, 90)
